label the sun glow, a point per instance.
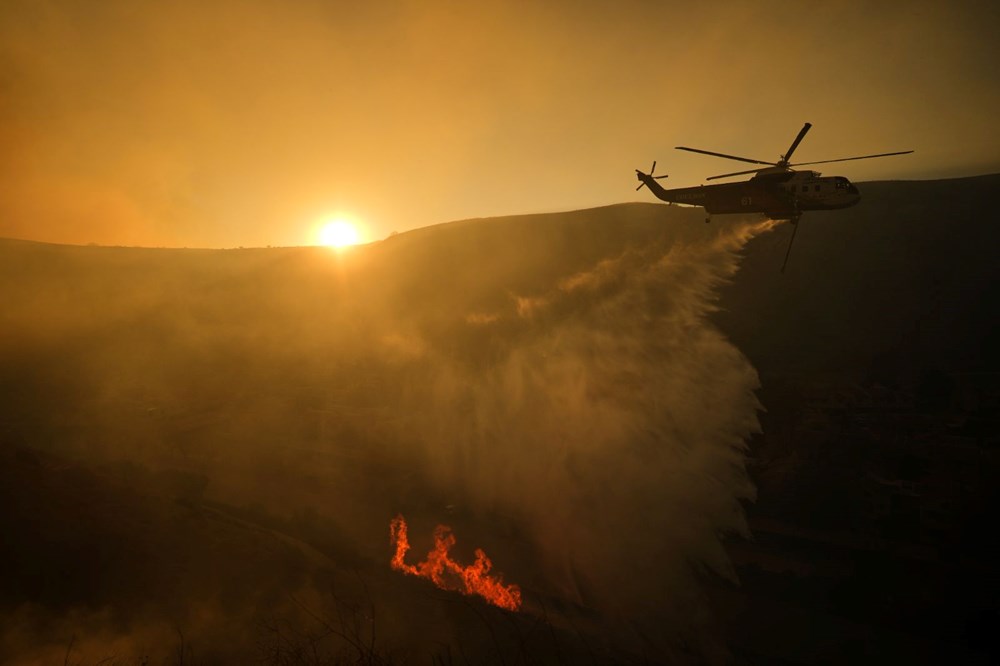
(338, 233)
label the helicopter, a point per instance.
(776, 189)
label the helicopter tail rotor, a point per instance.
(645, 176)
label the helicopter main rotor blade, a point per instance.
(728, 157)
(795, 144)
(848, 159)
(738, 173)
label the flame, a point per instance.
(448, 574)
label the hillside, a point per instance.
(905, 279)
(571, 392)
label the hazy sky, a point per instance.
(228, 123)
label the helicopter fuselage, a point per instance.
(777, 194)
(776, 189)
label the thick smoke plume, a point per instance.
(232, 423)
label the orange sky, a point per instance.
(242, 123)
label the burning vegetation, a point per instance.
(448, 574)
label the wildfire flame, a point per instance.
(448, 574)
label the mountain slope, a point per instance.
(905, 279)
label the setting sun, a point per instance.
(339, 233)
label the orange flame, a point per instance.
(448, 574)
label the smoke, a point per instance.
(553, 387)
(608, 416)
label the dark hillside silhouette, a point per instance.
(215, 441)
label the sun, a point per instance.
(338, 233)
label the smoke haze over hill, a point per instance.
(579, 416)
(206, 447)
